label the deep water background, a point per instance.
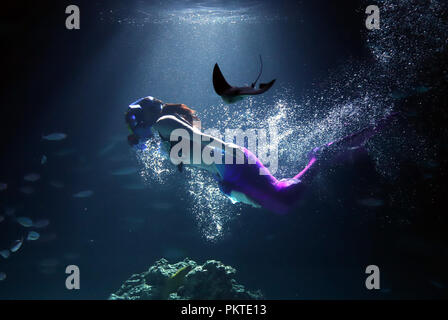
(80, 82)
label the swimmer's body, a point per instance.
(251, 182)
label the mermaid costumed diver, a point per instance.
(250, 182)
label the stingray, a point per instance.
(231, 94)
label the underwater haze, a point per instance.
(73, 192)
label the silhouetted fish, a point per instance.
(232, 94)
(32, 236)
(5, 253)
(2, 276)
(17, 244)
(107, 149)
(55, 136)
(43, 160)
(83, 194)
(25, 221)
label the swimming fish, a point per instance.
(2, 276)
(25, 221)
(16, 245)
(107, 149)
(3, 186)
(175, 281)
(124, 171)
(32, 177)
(43, 160)
(371, 202)
(230, 94)
(42, 223)
(55, 136)
(83, 194)
(27, 190)
(2, 218)
(32, 235)
(5, 253)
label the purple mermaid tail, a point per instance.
(280, 196)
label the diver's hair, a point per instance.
(181, 110)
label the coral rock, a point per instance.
(184, 280)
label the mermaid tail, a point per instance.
(347, 148)
(280, 196)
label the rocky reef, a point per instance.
(185, 280)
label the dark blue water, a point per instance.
(333, 78)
